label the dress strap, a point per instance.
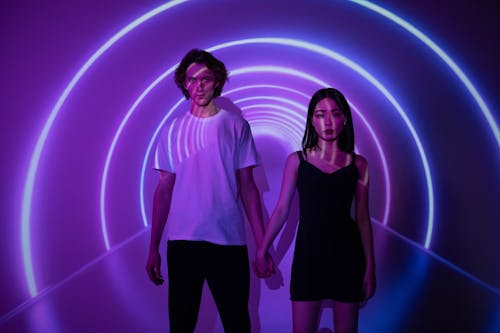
(301, 157)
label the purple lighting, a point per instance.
(31, 175)
(265, 123)
(79, 166)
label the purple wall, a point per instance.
(77, 126)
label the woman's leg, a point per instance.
(305, 316)
(345, 317)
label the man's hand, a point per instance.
(263, 265)
(153, 268)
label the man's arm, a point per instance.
(253, 209)
(161, 208)
(251, 202)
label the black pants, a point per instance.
(226, 270)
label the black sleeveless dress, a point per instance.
(329, 261)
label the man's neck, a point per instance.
(203, 111)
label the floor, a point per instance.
(416, 292)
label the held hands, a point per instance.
(153, 267)
(263, 265)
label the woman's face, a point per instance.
(328, 120)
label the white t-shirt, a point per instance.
(205, 153)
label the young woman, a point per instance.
(333, 257)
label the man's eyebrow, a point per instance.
(199, 75)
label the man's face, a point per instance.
(200, 83)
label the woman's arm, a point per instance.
(282, 209)
(364, 224)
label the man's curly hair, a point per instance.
(201, 57)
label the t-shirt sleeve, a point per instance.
(163, 154)
(247, 153)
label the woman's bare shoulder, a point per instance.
(361, 163)
(293, 158)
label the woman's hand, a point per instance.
(369, 285)
(263, 265)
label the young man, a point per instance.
(205, 159)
